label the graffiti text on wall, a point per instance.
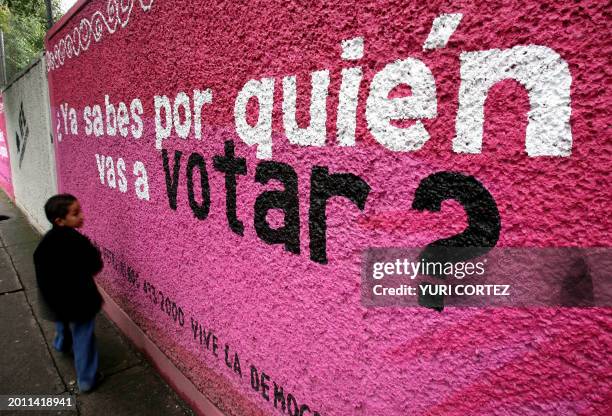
(207, 339)
(79, 38)
(21, 136)
(541, 70)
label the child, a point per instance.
(65, 263)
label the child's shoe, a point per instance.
(96, 383)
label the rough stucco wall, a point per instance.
(299, 321)
(26, 109)
(5, 162)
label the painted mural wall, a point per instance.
(30, 142)
(5, 162)
(235, 159)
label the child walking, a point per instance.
(66, 262)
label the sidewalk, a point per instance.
(29, 364)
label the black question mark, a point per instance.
(484, 223)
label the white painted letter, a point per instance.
(100, 162)
(380, 109)
(121, 181)
(162, 133)
(314, 134)
(123, 119)
(547, 79)
(260, 134)
(88, 125)
(142, 184)
(347, 106)
(352, 49)
(136, 110)
(182, 130)
(111, 119)
(64, 108)
(441, 30)
(74, 128)
(98, 125)
(110, 173)
(199, 99)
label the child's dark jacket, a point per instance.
(65, 263)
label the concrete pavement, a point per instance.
(29, 364)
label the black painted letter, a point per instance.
(287, 200)
(172, 181)
(254, 378)
(279, 396)
(231, 166)
(322, 187)
(199, 211)
(481, 234)
(292, 406)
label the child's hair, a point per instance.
(57, 206)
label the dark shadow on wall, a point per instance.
(577, 286)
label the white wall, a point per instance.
(33, 160)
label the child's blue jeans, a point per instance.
(80, 336)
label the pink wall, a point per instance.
(5, 161)
(299, 320)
